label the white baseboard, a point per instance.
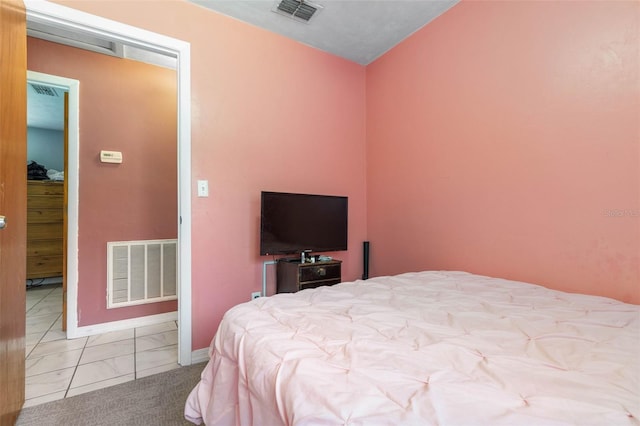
(106, 327)
(197, 356)
(200, 355)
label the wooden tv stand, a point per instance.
(292, 276)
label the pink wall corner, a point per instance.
(268, 113)
(130, 107)
(272, 115)
(503, 139)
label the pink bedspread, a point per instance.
(445, 348)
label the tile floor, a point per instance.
(57, 368)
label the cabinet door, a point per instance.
(319, 272)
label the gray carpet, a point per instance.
(154, 400)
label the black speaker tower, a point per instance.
(365, 260)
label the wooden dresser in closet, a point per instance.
(45, 204)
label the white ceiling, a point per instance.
(358, 30)
(45, 111)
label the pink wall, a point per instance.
(130, 107)
(503, 139)
(268, 113)
(496, 140)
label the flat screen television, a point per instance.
(293, 223)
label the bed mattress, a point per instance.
(445, 348)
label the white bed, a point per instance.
(439, 348)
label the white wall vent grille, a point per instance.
(141, 272)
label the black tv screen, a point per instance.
(293, 223)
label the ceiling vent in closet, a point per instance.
(44, 90)
(300, 10)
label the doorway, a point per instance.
(61, 120)
(48, 14)
(47, 143)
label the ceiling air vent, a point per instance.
(299, 10)
(44, 90)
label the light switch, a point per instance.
(203, 188)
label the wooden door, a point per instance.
(13, 205)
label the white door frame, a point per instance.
(74, 20)
(71, 175)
